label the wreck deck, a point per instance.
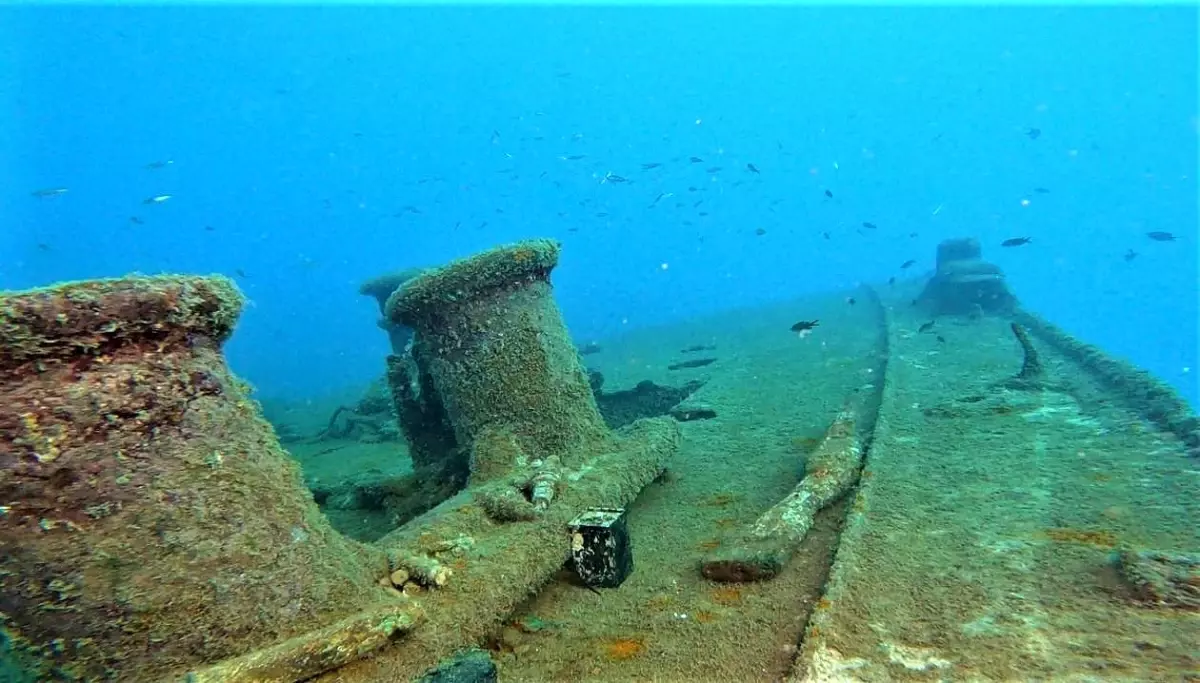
(978, 546)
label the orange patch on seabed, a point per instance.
(727, 596)
(625, 648)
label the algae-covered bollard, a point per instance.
(498, 352)
(150, 522)
(761, 551)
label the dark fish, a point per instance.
(1015, 242)
(137, 221)
(614, 178)
(697, 363)
(712, 169)
(851, 300)
(495, 137)
(574, 157)
(1159, 236)
(207, 228)
(760, 232)
(891, 280)
(42, 246)
(912, 234)
(805, 325)
(602, 214)
(240, 273)
(1130, 255)
(696, 160)
(1033, 133)
(907, 264)
(752, 168)
(652, 164)
(941, 339)
(693, 188)
(698, 347)
(1041, 190)
(870, 226)
(828, 194)
(159, 164)
(590, 348)
(926, 327)
(825, 235)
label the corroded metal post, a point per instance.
(498, 353)
(149, 521)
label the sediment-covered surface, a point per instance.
(982, 542)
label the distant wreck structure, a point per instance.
(965, 284)
(382, 287)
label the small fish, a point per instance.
(1160, 236)
(1015, 242)
(712, 169)
(573, 157)
(760, 232)
(752, 168)
(693, 188)
(49, 192)
(614, 178)
(696, 160)
(42, 246)
(870, 226)
(602, 214)
(1130, 255)
(828, 194)
(156, 199)
(661, 196)
(941, 339)
(590, 348)
(907, 264)
(1033, 133)
(652, 164)
(207, 228)
(136, 221)
(805, 327)
(240, 273)
(925, 327)
(851, 300)
(825, 235)
(891, 280)
(158, 164)
(1041, 190)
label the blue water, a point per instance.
(298, 137)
